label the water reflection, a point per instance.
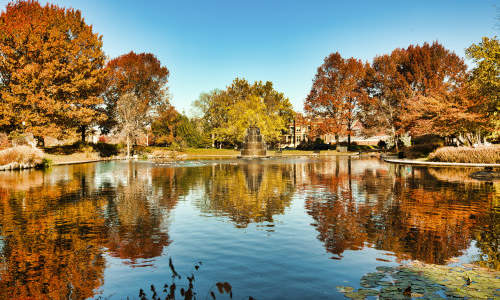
(58, 227)
(406, 211)
(247, 192)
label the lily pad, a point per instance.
(345, 289)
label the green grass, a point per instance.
(210, 151)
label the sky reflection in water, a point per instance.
(290, 227)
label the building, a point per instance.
(299, 131)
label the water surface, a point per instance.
(290, 228)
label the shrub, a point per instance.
(46, 163)
(420, 150)
(482, 154)
(21, 156)
(428, 139)
(106, 150)
(382, 144)
(318, 144)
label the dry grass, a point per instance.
(75, 157)
(21, 155)
(482, 154)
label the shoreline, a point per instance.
(438, 163)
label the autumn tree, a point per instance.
(485, 79)
(164, 125)
(129, 120)
(51, 70)
(422, 90)
(228, 113)
(438, 101)
(337, 93)
(141, 77)
(387, 86)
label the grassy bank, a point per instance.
(20, 157)
(482, 154)
(26, 157)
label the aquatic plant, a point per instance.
(420, 280)
(186, 291)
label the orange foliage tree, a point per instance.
(422, 90)
(51, 71)
(439, 101)
(337, 93)
(141, 75)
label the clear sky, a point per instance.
(206, 44)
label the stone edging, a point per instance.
(438, 164)
(85, 161)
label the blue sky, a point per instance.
(206, 44)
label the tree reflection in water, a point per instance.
(247, 192)
(408, 213)
(56, 228)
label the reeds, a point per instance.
(481, 154)
(20, 157)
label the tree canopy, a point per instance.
(337, 93)
(485, 79)
(230, 112)
(51, 70)
(141, 75)
(422, 90)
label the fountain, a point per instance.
(254, 146)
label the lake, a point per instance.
(291, 227)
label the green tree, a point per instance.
(227, 113)
(485, 79)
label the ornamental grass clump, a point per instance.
(20, 157)
(481, 154)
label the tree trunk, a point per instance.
(348, 140)
(128, 146)
(83, 131)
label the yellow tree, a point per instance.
(251, 111)
(229, 112)
(51, 70)
(485, 79)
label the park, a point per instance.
(167, 164)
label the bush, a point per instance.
(318, 144)
(420, 150)
(46, 163)
(428, 139)
(382, 144)
(106, 150)
(21, 156)
(482, 154)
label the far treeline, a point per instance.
(55, 80)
